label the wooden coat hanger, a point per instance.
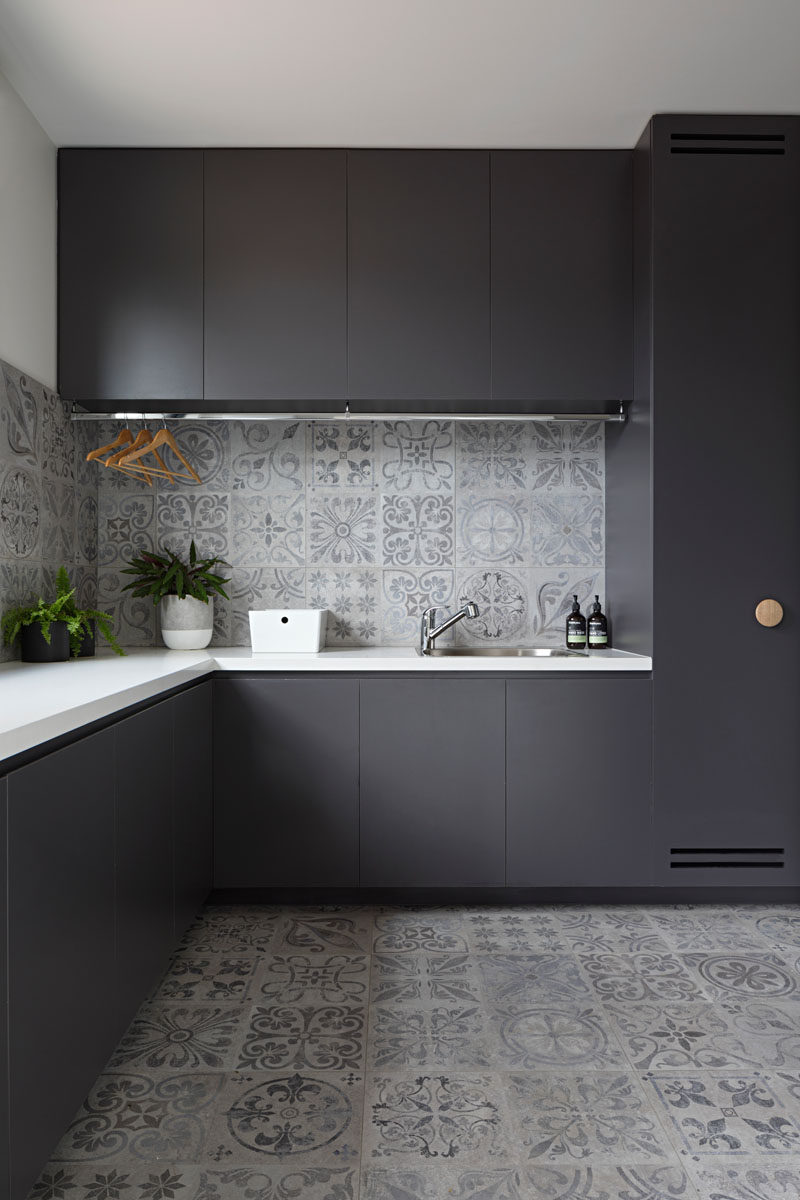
(143, 438)
(123, 438)
(163, 438)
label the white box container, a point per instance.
(287, 630)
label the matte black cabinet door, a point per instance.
(726, 380)
(145, 908)
(432, 782)
(192, 802)
(562, 334)
(275, 279)
(61, 943)
(285, 782)
(130, 276)
(418, 269)
(4, 1131)
(579, 782)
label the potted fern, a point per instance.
(184, 593)
(50, 632)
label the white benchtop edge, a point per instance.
(41, 701)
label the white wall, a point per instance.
(27, 240)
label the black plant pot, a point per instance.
(87, 647)
(36, 649)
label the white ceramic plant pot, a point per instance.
(186, 624)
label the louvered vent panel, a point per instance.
(727, 143)
(753, 857)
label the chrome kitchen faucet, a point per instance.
(428, 632)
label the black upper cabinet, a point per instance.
(418, 267)
(275, 279)
(561, 279)
(130, 280)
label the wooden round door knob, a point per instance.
(769, 613)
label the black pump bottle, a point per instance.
(597, 627)
(576, 627)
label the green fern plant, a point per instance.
(83, 616)
(43, 615)
(160, 575)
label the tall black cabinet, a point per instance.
(720, 261)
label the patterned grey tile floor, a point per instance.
(539, 1053)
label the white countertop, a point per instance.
(40, 701)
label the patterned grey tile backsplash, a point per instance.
(373, 522)
(48, 496)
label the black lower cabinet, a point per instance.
(61, 943)
(144, 879)
(579, 782)
(432, 782)
(286, 782)
(192, 803)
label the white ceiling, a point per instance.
(392, 72)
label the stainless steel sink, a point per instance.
(500, 652)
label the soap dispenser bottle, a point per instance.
(597, 627)
(576, 627)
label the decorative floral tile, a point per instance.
(406, 595)
(780, 927)
(133, 1115)
(551, 591)
(58, 520)
(749, 1180)
(418, 456)
(595, 930)
(428, 930)
(568, 456)
(150, 1181)
(268, 528)
(757, 976)
(644, 975)
(303, 1118)
(517, 983)
(299, 978)
(427, 978)
(432, 1037)
(85, 549)
(352, 598)
(304, 1037)
(167, 1037)
(200, 516)
(211, 977)
(417, 1118)
(725, 1116)
(601, 1117)
(318, 933)
(20, 584)
(342, 527)
(640, 1182)
(232, 931)
(260, 588)
(502, 598)
(492, 455)
(708, 932)
(135, 620)
(125, 525)
(437, 1179)
(21, 512)
(546, 1037)
(279, 1182)
(342, 455)
(707, 1036)
(492, 529)
(568, 529)
(85, 580)
(268, 456)
(20, 419)
(519, 930)
(58, 438)
(207, 447)
(417, 530)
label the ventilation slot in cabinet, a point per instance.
(737, 856)
(727, 143)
